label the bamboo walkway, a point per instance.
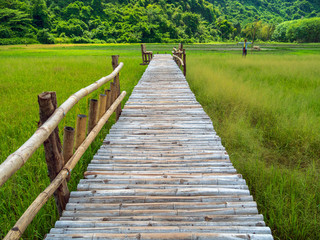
(161, 173)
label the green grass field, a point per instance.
(27, 71)
(265, 108)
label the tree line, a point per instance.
(118, 21)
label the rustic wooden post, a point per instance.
(53, 149)
(102, 105)
(109, 100)
(68, 142)
(80, 130)
(113, 91)
(184, 63)
(115, 63)
(93, 114)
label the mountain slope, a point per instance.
(49, 21)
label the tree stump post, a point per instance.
(53, 149)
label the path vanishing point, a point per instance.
(162, 173)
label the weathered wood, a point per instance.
(163, 236)
(93, 114)
(17, 159)
(184, 62)
(80, 130)
(109, 98)
(53, 149)
(102, 105)
(113, 90)
(68, 143)
(115, 63)
(146, 55)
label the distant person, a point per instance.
(245, 47)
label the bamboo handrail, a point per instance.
(27, 217)
(179, 59)
(17, 159)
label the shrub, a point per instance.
(45, 37)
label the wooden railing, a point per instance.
(61, 160)
(179, 55)
(146, 55)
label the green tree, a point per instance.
(45, 37)
(40, 16)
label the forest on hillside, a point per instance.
(119, 21)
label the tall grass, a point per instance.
(266, 108)
(26, 72)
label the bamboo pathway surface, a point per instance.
(162, 173)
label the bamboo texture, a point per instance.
(17, 159)
(21, 225)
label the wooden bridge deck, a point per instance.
(162, 173)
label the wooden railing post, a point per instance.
(109, 98)
(184, 63)
(68, 142)
(115, 63)
(53, 149)
(80, 130)
(102, 105)
(93, 114)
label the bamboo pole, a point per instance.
(53, 149)
(68, 142)
(93, 114)
(102, 105)
(21, 225)
(17, 159)
(80, 130)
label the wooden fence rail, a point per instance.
(61, 160)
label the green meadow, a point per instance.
(266, 109)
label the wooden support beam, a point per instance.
(115, 63)
(184, 63)
(53, 149)
(93, 114)
(109, 98)
(68, 142)
(102, 105)
(80, 130)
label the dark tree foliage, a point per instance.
(114, 21)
